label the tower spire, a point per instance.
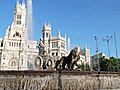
(17, 2)
(65, 36)
(49, 24)
(59, 34)
(23, 1)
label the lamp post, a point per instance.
(115, 45)
(107, 39)
(97, 55)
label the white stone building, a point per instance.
(54, 46)
(16, 51)
(96, 57)
(19, 53)
(84, 56)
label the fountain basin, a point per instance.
(52, 80)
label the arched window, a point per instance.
(17, 34)
(13, 63)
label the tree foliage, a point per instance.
(112, 64)
(84, 67)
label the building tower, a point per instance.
(46, 32)
(13, 46)
(12, 56)
(20, 14)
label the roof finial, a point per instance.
(45, 24)
(59, 34)
(49, 24)
(17, 1)
(85, 46)
(23, 2)
(65, 36)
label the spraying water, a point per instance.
(68, 44)
(29, 23)
(29, 28)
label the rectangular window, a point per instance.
(10, 44)
(52, 54)
(54, 44)
(43, 35)
(46, 34)
(56, 54)
(19, 16)
(14, 44)
(22, 62)
(19, 22)
(28, 46)
(63, 45)
(19, 45)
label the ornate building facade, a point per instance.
(95, 59)
(84, 56)
(16, 51)
(54, 46)
(19, 53)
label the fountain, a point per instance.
(29, 20)
(55, 80)
(68, 44)
(29, 34)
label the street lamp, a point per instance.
(97, 54)
(115, 45)
(107, 39)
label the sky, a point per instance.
(81, 20)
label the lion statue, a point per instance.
(68, 62)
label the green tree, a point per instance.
(84, 67)
(103, 64)
(111, 64)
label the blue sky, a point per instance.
(78, 19)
